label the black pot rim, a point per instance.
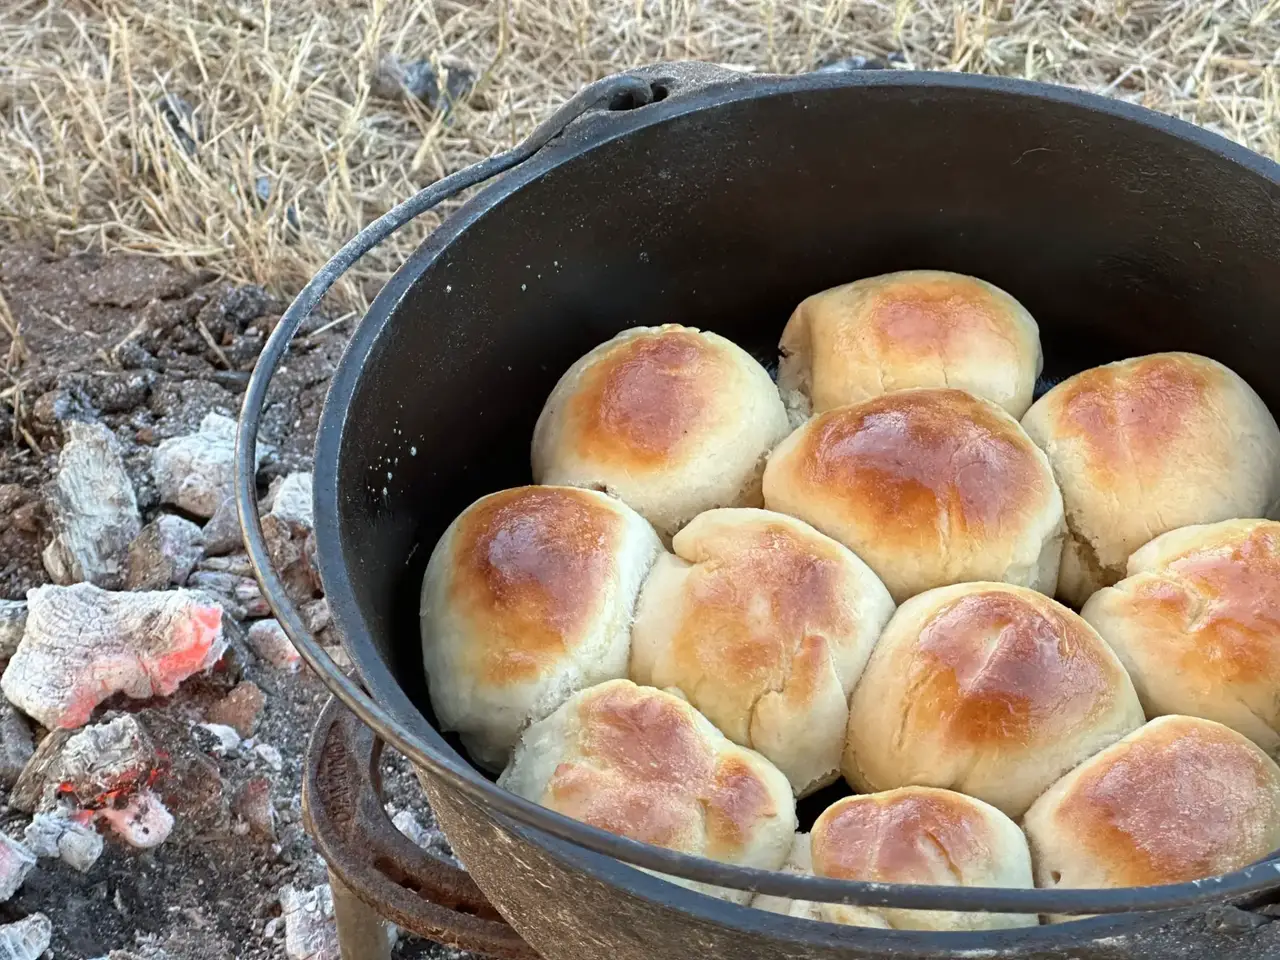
(592, 131)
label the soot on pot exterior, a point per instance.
(721, 206)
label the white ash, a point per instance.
(143, 822)
(27, 939)
(196, 472)
(105, 758)
(272, 645)
(83, 644)
(16, 744)
(42, 833)
(92, 508)
(164, 553)
(289, 499)
(310, 932)
(408, 824)
(65, 836)
(222, 532)
(13, 621)
(270, 756)
(226, 740)
(16, 864)
(80, 846)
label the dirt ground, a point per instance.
(123, 340)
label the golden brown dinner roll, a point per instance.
(669, 419)
(917, 328)
(764, 624)
(528, 598)
(921, 835)
(989, 689)
(644, 764)
(1178, 800)
(1148, 445)
(929, 487)
(1197, 624)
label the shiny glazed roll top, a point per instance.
(915, 328)
(929, 487)
(528, 598)
(1197, 624)
(671, 420)
(1180, 799)
(1145, 446)
(992, 690)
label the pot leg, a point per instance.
(362, 933)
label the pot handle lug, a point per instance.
(415, 888)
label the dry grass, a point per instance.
(282, 90)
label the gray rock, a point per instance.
(181, 119)
(858, 62)
(222, 532)
(26, 939)
(82, 645)
(419, 79)
(16, 744)
(13, 621)
(164, 553)
(92, 508)
(196, 472)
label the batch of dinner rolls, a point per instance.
(724, 593)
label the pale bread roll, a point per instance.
(992, 690)
(929, 487)
(644, 764)
(916, 328)
(799, 863)
(764, 625)
(1180, 799)
(1148, 445)
(926, 836)
(527, 599)
(1197, 624)
(671, 420)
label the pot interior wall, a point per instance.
(1120, 237)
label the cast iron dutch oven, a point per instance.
(688, 194)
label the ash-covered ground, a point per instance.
(149, 351)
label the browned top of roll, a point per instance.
(1179, 800)
(904, 458)
(529, 565)
(643, 400)
(1000, 667)
(1127, 413)
(1225, 590)
(878, 837)
(641, 759)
